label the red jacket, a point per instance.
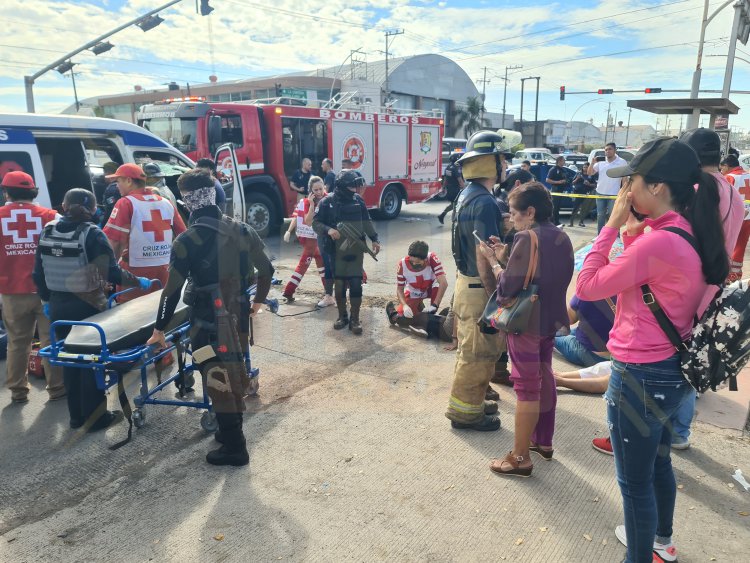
(21, 224)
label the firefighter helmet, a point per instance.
(482, 143)
(349, 179)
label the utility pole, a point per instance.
(521, 114)
(505, 86)
(388, 35)
(739, 16)
(484, 82)
(627, 130)
(75, 92)
(536, 113)
(606, 125)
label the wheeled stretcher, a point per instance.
(113, 342)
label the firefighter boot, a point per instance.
(354, 324)
(343, 320)
(233, 450)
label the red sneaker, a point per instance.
(603, 445)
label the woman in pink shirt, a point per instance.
(647, 386)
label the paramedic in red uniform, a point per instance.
(21, 223)
(419, 276)
(141, 228)
(740, 179)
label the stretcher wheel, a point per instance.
(252, 387)
(139, 418)
(208, 422)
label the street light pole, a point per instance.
(536, 113)
(75, 92)
(732, 48)
(28, 81)
(695, 86)
(523, 80)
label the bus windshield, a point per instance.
(178, 132)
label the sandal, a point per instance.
(537, 449)
(515, 463)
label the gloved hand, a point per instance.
(144, 283)
(431, 310)
(408, 313)
(287, 236)
(45, 309)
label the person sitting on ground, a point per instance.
(591, 379)
(419, 276)
(586, 344)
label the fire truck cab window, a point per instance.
(304, 138)
(180, 133)
(231, 130)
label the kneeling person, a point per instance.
(419, 276)
(218, 254)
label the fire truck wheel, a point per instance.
(390, 204)
(260, 213)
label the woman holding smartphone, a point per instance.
(672, 264)
(531, 352)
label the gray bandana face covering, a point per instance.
(199, 198)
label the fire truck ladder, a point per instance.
(339, 100)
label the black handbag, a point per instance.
(514, 317)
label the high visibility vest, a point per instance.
(150, 241)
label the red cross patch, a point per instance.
(157, 225)
(22, 226)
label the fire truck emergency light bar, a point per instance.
(185, 99)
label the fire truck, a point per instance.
(397, 152)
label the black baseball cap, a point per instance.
(705, 142)
(519, 175)
(665, 159)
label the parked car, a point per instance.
(534, 155)
(540, 172)
(577, 158)
(626, 154)
(745, 161)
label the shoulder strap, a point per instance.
(611, 305)
(684, 234)
(533, 258)
(661, 318)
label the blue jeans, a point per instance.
(683, 418)
(603, 210)
(575, 352)
(641, 399)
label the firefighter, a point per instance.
(345, 206)
(454, 182)
(218, 254)
(73, 286)
(22, 222)
(141, 228)
(476, 215)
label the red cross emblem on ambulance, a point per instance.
(158, 225)
(22, 226)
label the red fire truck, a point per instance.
(397, 152)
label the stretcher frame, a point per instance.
(105, 364)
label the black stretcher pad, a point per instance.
(125, 326)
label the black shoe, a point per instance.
(486, 424)
(341, 322)
(355, 327)
(76, 423)
(581, 224)
(109, 418)
(288, 298)
(491, 394)
(218, 437)
(390, 311)
(490, 407)
(225, 456)
(441, 218)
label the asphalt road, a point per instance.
(351, 458)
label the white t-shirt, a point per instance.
(606, 185)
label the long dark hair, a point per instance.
(701, 208)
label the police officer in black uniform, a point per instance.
(453, 181)
(74, 264)
(558, 182)
(346, 206)
(218, 254)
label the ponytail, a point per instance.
(79, 205)
(701, 208)
(707, 226)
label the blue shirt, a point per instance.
(221, 196)
(481, 214)
(595, 320)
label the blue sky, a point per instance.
(584, 45)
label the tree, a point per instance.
(470, 117)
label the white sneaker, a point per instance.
(680, 443)
(327, 301)
(418, 331)
(664, 552)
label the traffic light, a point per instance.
(604, 91)
(562, 93)
(652, 91)
(205, 8)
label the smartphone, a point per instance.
(637, 215)
(476, 236)
(600, 158)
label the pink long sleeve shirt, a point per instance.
(664, 261)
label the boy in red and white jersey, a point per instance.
(419, 276)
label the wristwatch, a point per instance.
(498, 265)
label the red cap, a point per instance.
(128, 170)
(18, 179)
